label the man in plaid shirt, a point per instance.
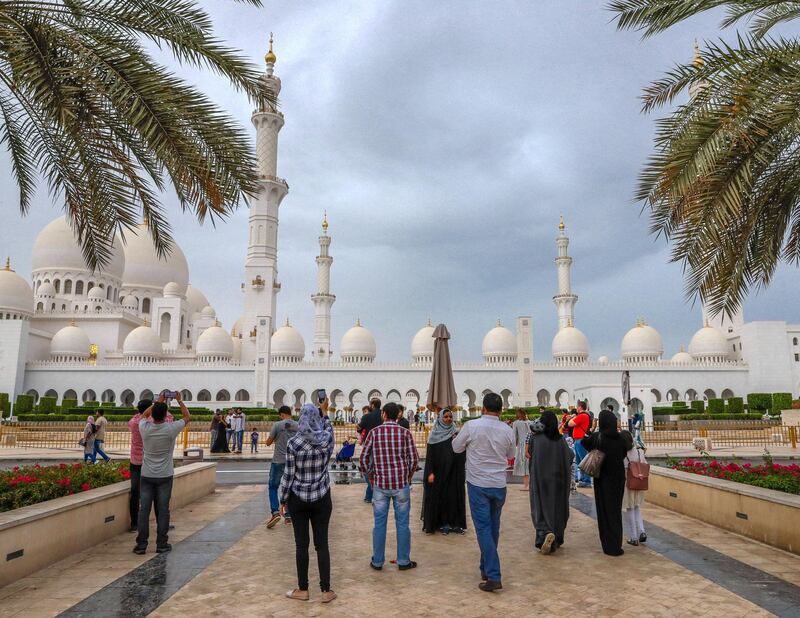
(389, 459)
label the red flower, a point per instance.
(76, 466)
(125, 474)
(85, 487)
(62, 466)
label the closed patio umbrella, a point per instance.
(442, 390)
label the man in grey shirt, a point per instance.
(158, 440)
(279, 435)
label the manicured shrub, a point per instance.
(91, 404)
(47, 405)
(735, 405)
(716, 406)
(663, 410)
(66, 404)
(698, 407)
(781, 401)
(23, 404)
(5, 405)
(679, 404)
(108, 404)
(759, 401)
(721, 417)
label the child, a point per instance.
(633, 498)
(254, 440)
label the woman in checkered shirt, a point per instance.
(306, 490)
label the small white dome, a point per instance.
(422, 343)
(215, 341)
(642, 343)
(499, 342)
(358, 343)
(130, 303)
(237, 348)
(682, 358)
(174, 290)
(15, 293)
(709, 344)
(70, 341)
(142, 341)
(143, 267)
(46, 290)
(570, 344)
(196, 299)
(57, 248)
(208, 312)
(287, 344)
(603, 360)
(96, 293)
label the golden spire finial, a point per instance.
(233, 332)
(561, 225)
(698, 59)
(569, 323)
(499, 323)
(429, 322)
(146, 322)
(8, 263)
(325, 221)
(216, 322)
(358, 321)
(72, 322)
(270, 57)
(287, 321)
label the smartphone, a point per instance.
(321, 395)
(170, 394)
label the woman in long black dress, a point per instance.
(443, 495)
(551, 475)
(220, 438)
(609, 487)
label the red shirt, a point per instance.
(137, 448)
(581, 426)
(389, 456)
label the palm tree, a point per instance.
(85, 109)
(724, 182)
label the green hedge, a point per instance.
(735, 405)
(698, 407)
(108, 404)
(663, 410)
(80, 418)
(48, 405)
(781, 401)
(66, 404)
(759, 401)
(5, 405)
(91, 404)
(716, 406)
(721, 417)
(23, 404)
(679, 404)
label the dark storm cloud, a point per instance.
(444, 139)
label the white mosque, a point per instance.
(140, 326)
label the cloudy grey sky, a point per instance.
(444, 139)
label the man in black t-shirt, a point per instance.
(368, 422)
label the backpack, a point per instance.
(94, 428)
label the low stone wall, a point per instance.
(765, 515)
(36, 536)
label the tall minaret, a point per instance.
(565, 300)
(323, 300)
(261, 272)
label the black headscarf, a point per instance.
(550, 423)
(608, 423)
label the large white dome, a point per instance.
(196, 299)
(16, 296)
(69, 342)
(570, 345)
(499, 344)
(709, 344)
(56, 249)
(143, 267)
(358, 345)
(422, 344)
(142, 342)
(287, 344)
(642, 343)
(214, 342)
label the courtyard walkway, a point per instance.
(226, 563)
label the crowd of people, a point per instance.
(470, 464)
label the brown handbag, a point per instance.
(638, 474)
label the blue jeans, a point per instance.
(486, 505)
(239, 439)
(368, 493)
(98, 450)
(580, 453)
(275, 474)
(380, 510)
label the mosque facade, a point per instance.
(140, 326)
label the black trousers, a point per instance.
(136, 476)
(155, 492)
(318, 514)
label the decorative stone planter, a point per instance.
(765, 515)
(36, 536)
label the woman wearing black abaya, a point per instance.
(551, 475)
(220, 444)
(609, 487)
(444, 494)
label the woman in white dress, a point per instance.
(521, 429)
(633, 499)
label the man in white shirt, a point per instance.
(489, 444)
(237, 425)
